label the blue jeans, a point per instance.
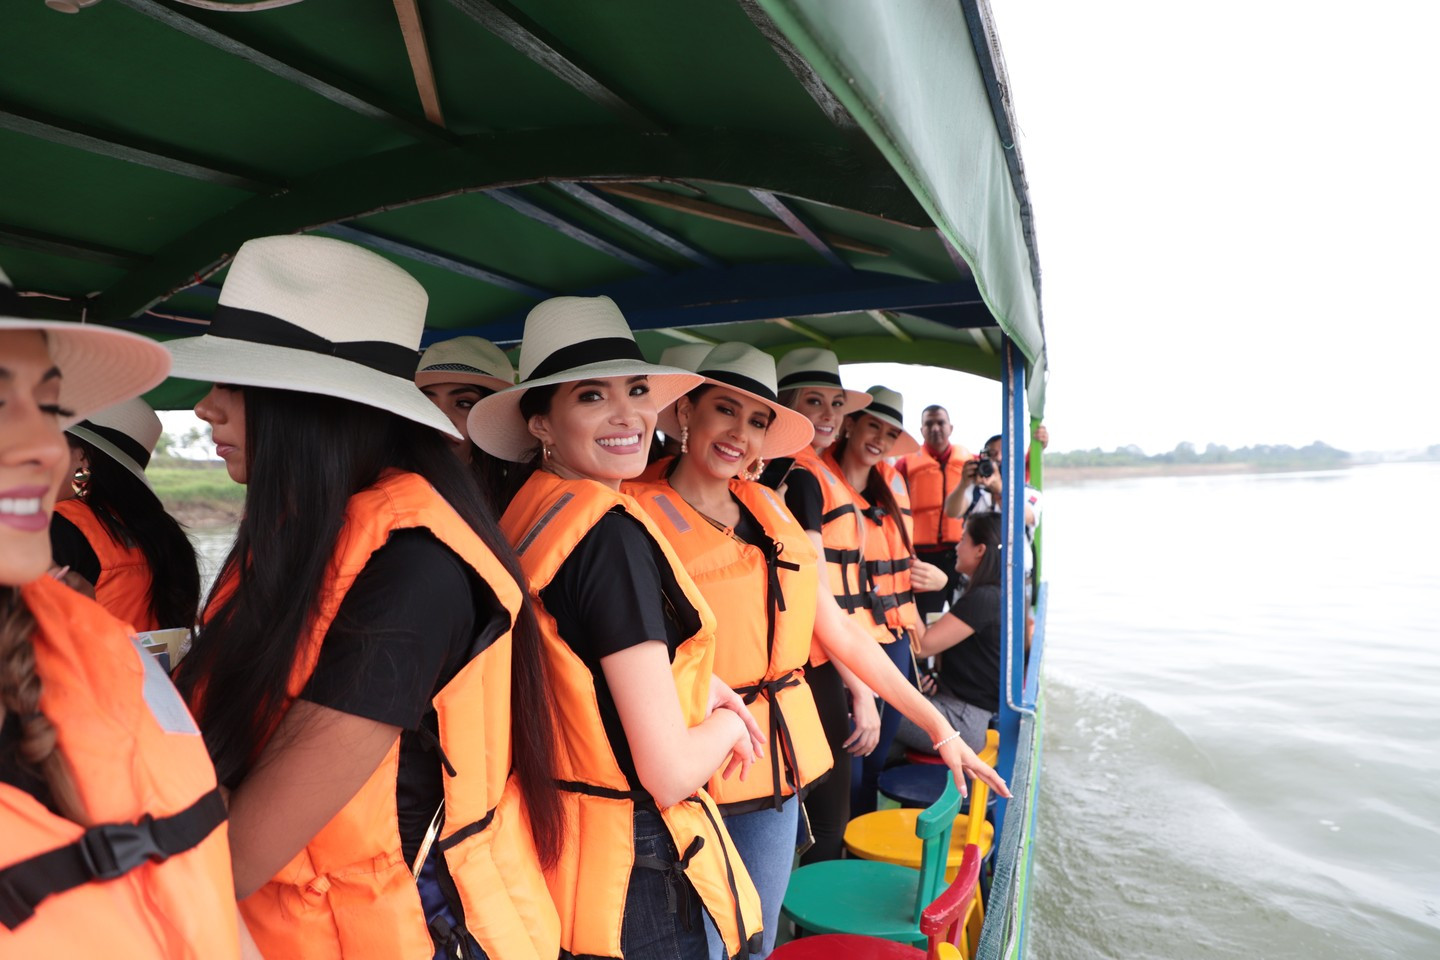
(865, 771)
(766, 842)
(650, 930)
(432, 898)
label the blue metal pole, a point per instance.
(1012, 583)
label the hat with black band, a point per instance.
(568, 339)
(816, 367)
(317, 315)
(472, 360)
(888, 407)
(740, 368)
(99, 366)
(126, 433)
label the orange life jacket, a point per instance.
(843, 537)
(767, 595)
(135, 754)
(654, 471)
(125, 580)
(887, 561)
(546, 521)
(349, 892)
(929, 485)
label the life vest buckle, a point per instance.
(114, 849)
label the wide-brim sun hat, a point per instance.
(317, 315)
(889, 407)
(472, 360)
(745, 370)
(126, 433)
(99, 366)
(816, 367)
(686, 356)
(568, 339)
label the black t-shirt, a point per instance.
(405, 628)
(805, 499)
(69, 546)
(970, 670)
(615, 591)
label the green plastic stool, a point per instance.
(876, 899)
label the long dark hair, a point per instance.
(984, 530)
(132, 514)
(877, 491)
(306, 455)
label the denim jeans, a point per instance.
(766, 842)
(650, 931)
(865, 771)
(432, 898)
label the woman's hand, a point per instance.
(723, 698)
(961, 760)
(866, 736)
(742, 755)
(926, 577)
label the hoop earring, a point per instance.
(685, 439)
(544, 452)
(80, 482)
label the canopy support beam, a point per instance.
(796, 326)
(528, 38)
(888, 324)
(798, 226)
(800, 68)
(434, 258)
(569, 228)
(311, 78)
(413, 30)
(129, 149)
(22, 239)
(592, 199)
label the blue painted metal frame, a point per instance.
(764, 292)
(1012, 620)
(566, 227)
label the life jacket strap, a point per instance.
(105, 852)
(879, 568)
(780, 737)
(591, 790)
(840, 511)
(467, 831)
(677, 888)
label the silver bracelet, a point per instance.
(940, 743)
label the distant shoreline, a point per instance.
(1060, 476)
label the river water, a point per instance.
(1242, 746)
(1242, 742)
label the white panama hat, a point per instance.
(568, 339)
(686, 356)
(126, 433)
(816, 367)
(888, 406)
(466, 360)
(742, 368)
(99, 365)
(317, 315)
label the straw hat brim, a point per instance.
(100, 366)
(426, 378)
(789, 431)
(854, 399)
(497, 427)
(110, 450)
(247, 364)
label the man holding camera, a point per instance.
(980, 491)
(932, 473)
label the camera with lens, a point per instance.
(985, 469)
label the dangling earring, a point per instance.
(80, 482)
(756, 469)
(685, 439)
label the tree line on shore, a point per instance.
(1313, 456)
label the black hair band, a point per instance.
(587, 352)
(127, 445)
(252, 326)
(880, 409)
(740, 382)
(809, 376)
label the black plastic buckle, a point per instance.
(114, 849)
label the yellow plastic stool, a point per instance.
(991, 753)
(889, 836)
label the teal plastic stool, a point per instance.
(876, 899)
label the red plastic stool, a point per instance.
(830, 946)
(919, 756)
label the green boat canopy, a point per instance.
(782, 172)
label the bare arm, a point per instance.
(671, 759)
(944, 634)
(315, 763)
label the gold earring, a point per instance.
(544, 452)
(685, 439)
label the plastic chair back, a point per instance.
(933, 828)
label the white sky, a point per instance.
(1236, 206)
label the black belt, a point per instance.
(779, 731)
(105, 852)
